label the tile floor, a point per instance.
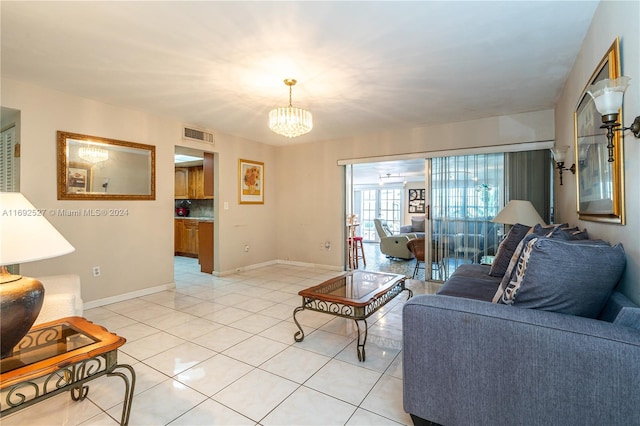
(220, 351)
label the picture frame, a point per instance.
(78, 178)
(250, 182)
(599, 183)
(416, 203)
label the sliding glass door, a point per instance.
(466, 193)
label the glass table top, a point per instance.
(44, 343)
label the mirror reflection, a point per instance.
(91, 167)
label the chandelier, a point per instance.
(93, 154)
(290, 121)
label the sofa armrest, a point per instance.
(62, 297)
(473, 362)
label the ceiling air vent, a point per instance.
(197, 134)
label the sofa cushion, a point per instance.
(549, 231)
(579, 284)
(417, 224)
(506, 249)
(628, 317)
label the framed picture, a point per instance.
(600, 185)
(78, 178)
(416, 201)
(250, 182)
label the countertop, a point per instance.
(201, 219)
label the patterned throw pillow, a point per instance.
(548, 231)
(579, 284)
(506, 249)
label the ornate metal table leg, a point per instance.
(79, 393)
(299, 336)
(361, 340)
(128, 390)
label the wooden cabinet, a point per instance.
(205, 251)
(186, 237)
(195, 182)
(182, 182)
(207, 175)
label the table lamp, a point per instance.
(25, 236)
(518, 211)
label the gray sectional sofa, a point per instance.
(548, 342)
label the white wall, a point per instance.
(135, 252)
(612, 19)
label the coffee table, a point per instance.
(355, 295)
(58, 356)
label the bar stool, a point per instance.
(356, 251)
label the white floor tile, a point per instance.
(214, 374)
(229, 344)
(161, 404)
(58, 410)
(308, 407)
(179, 358)
(255, 350)
(295, 364)
(385, 399)
(344, 381)
(212, 413)
(256, 394)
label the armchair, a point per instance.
(393, 245)
(62, 297)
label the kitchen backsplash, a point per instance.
(197, 208)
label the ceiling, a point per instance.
(361, 66)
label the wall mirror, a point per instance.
(95, 168)
(600, 183)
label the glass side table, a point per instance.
(58, 356)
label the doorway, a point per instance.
(194, 216)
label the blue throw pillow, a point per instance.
(571, 277)
(506, 249)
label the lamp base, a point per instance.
(20, 303)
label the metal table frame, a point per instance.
(319, 299)
(30, 384)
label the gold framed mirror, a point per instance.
(96, 168)
(600, 183)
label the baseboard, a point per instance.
(127, 296)
(278, 262)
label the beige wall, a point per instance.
(135, 252)
(611, 20)
(311, 184)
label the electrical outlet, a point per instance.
(246, 248)
(327, 245)
(96, 271)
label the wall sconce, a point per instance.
(607, 95)
(559, 154)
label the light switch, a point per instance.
(226, 205)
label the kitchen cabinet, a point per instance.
(182, 182)
(207, 175)
(196, 182)
(186, 237)
(205, 249)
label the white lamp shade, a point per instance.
(607, 94)
(25, 234)
(560, 153)
(518, 211)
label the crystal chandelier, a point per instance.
(93, 154)
(290, 121)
